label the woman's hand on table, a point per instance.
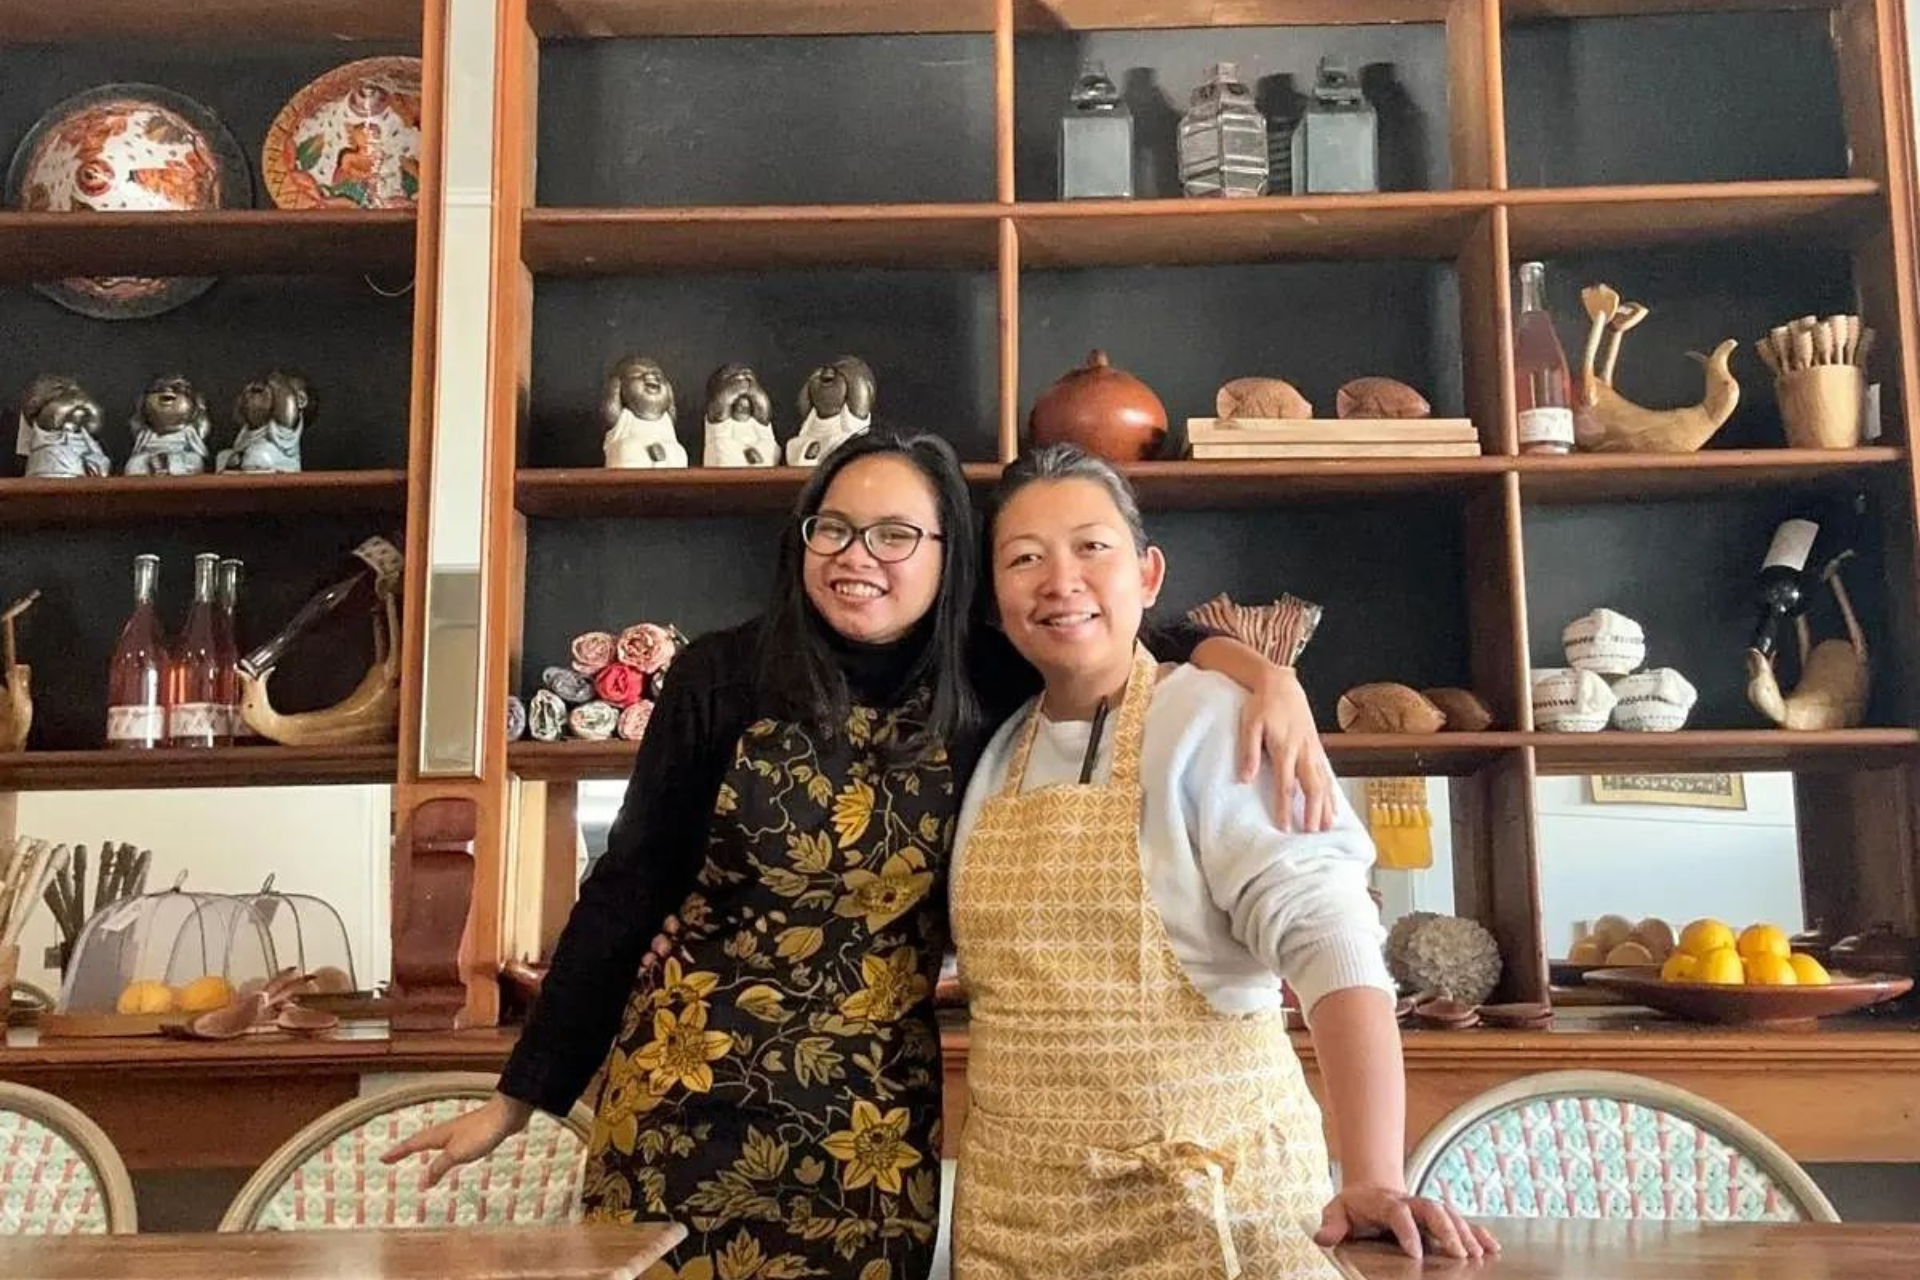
(1374, 1212)
(464, 1138)
(1278, 722)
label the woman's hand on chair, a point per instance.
(1373, 1212)
(1278, 720)
(464, 1138)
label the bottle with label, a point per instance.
(1223, 138)
(1543, 390)
(197, 713)
(226, 638)
(138, 673)
(372, 567)
(1783, 587)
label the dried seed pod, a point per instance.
(1387, 708)
(1463, 709)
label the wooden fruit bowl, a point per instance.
(1749, 1005)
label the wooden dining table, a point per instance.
(597, 1251)
(1549, 1250)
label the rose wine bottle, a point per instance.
(197, 713)
(138, 675)
(1783, 581)
(227, 641)
(1543, 390)
(359, 577)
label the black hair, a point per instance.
(1063, 462)
(798, 673)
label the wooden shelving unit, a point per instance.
(40, 246)
(254, 766)
(104, 500)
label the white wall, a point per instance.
(1677, 863)
(331, 842)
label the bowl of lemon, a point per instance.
(1749, 978)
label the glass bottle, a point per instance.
(1096, 139)
(197, 714)
(1223, 138)
(1782, 586)
(1543, 389)
(138, 672)
(373, 562)
(227, 639)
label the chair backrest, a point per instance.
(59, 1174)
(329, 1174)
(1603, 1144)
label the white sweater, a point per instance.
(1244, 903)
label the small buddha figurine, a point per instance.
(739, 420)
(836, 403)
(170, 429)
(269, 416)
(60, 430)
(637, 410)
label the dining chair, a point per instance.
(1604, 1144)
(329, 1174)
(59, 1174)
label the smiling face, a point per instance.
(860, 597)
(1071, 587)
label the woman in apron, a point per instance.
(1123, 908)
(775, 1084)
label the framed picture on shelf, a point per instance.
(1688, 790)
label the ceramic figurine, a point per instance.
(170, 429)
(1608, 422)
(637, 412)
(1653, 701)
(1102, 409)
(739, 420)
(836, 403)
(59, 430)
(1571, 700)
(1604, 641)
(1832, 693)
(269, 416)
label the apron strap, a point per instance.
(1188, 1165)
(1128, 729)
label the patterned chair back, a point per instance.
(329, 1174)
(59, 1175)
(1601, 1144)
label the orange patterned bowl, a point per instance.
(127, 148)
(1750, 1005)
(349, 140)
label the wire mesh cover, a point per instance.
(172, 938)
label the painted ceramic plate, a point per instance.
(351, 139)
(127, 148)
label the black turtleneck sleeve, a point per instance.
(654, 852)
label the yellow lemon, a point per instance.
(1771, 971)
(1680, 967)
(210, 991)
(1809, 972)
(1704, 936)
(145, 997)
(1763, 940)
(1722, 967)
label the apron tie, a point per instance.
(1185, 1164)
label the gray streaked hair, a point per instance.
(1057, 462)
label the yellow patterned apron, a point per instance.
(1119, 1126)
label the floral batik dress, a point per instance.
(775, 1086)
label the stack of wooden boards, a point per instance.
(1222, 438)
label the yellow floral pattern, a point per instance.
(776, 1082)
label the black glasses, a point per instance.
(889, 541)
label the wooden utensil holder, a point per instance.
(1820, 406)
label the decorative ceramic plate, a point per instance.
(351, 139)
(127, 148)
(1751, 1005)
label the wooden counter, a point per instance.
(1849, 1091)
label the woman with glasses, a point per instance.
(775, 1084)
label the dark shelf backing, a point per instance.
(766, 120)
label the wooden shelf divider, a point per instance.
(123, 499)
(1607, 477)
(49, 246)
(599, 493)
(598, 241)
(252, 766)
(228, 21)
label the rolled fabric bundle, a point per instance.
(620, 684)
(572, 687)
(595, 721)
(547, 716)
(516, 718)
(592, 650)
(633, 721)
(645, 647)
